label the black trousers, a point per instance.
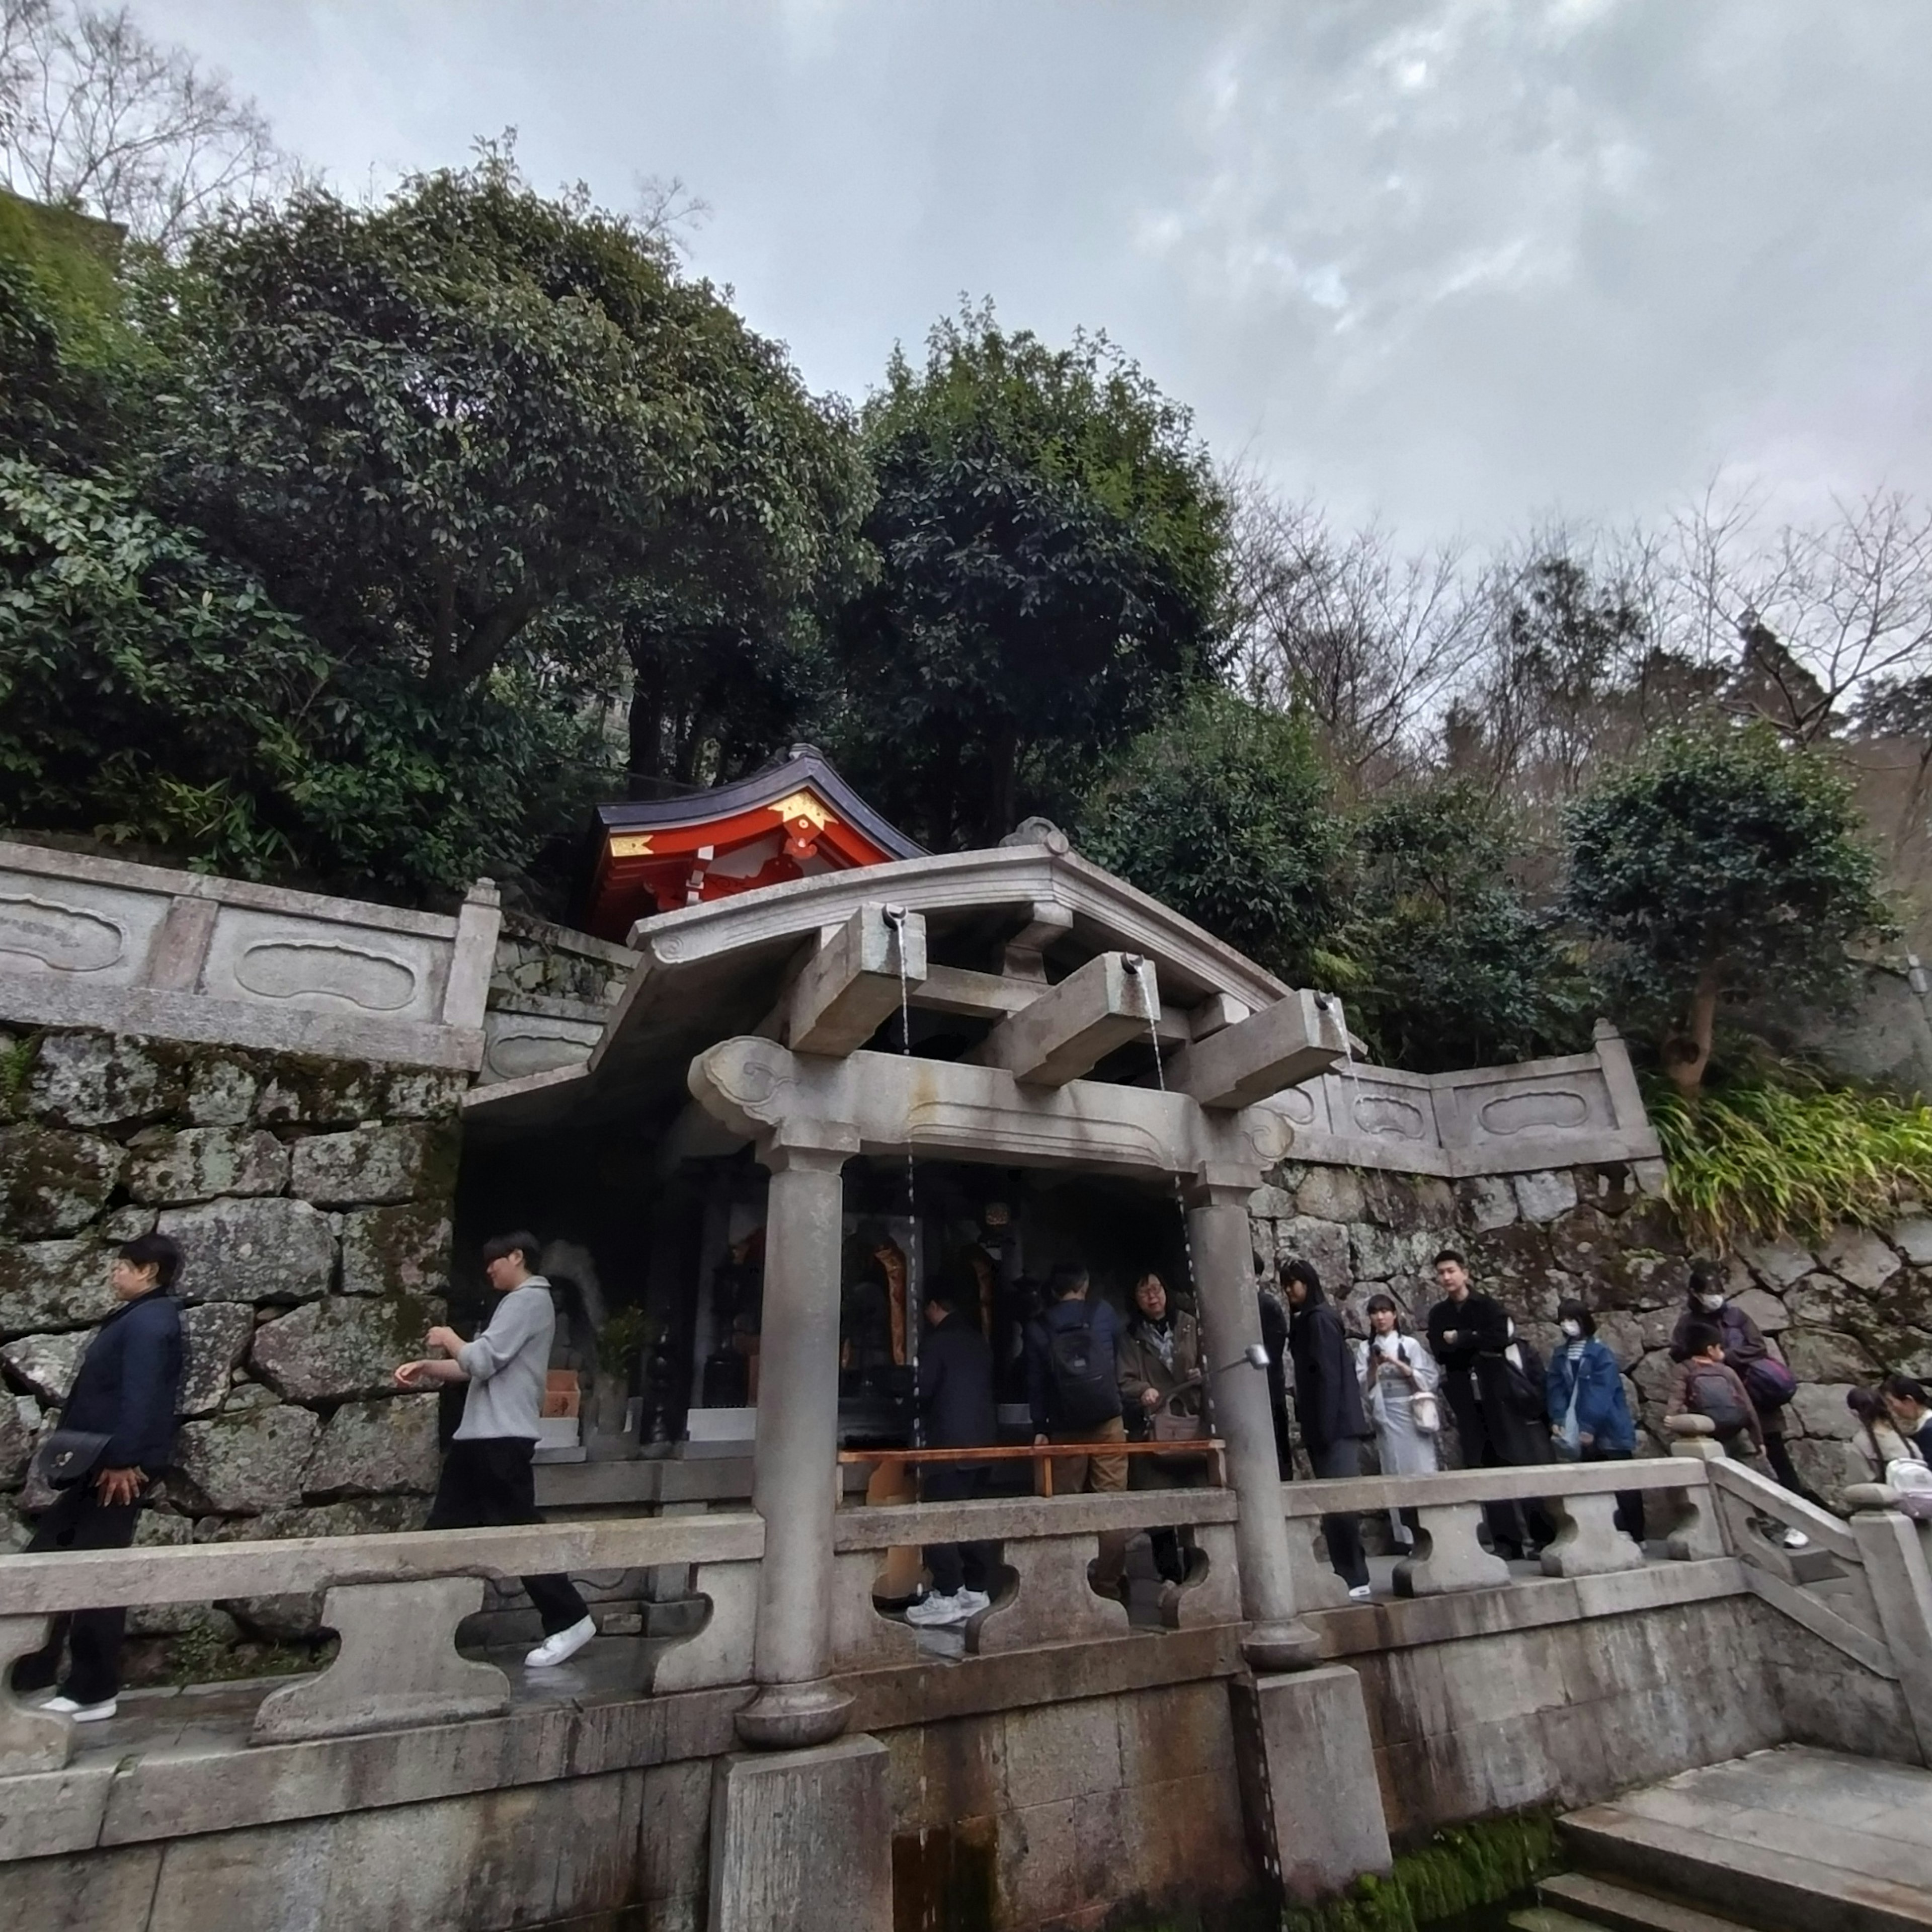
(954, 1564)
(1342, 1533)
(79, 1520)
(487, 1483)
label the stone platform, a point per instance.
(1792, 1840)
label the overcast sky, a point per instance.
(1460, 264)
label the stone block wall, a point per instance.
(1848, 1309)
(311, 1198)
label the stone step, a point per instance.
(1597, 1903)
(1772, 1889)
(1547, 1919)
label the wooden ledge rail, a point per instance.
(1026, 1519)
(205, 1572)
(1044, 1455)
(1525, 1484)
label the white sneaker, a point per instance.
(934, 1609)
(562, 1647)
(973, 1601)
(82, 1713)
(1361, 1592)
(1796, 1539)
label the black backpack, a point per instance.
(1711, 1395)
(1085, 1380)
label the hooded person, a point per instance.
(1589, 1413)
(1328, 1405)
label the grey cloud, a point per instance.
(1461, 261)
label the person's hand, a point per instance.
(1150, 1398)
(1584, 1436)
(1452, 1335)
(447, 1340)
(116, 1487)
(414, 1375)
(1040, 1441)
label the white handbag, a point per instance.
(1427, 1412)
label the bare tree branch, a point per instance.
(95, 115)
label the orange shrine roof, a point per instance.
(795, 818)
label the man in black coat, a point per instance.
(127, 1388)
(1328, 1405)
(1469, 1334)
(956, 1411)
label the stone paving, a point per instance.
(1812, 1840)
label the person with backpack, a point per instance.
(1328, 1405)
(116, 1436)
(1073, 1390)
(1705, 1384)
(955, 1408)
(1768, 1383)
(1589, 1414)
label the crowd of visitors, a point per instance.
(1095, 1383)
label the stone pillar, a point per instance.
(1893, 1548)
(1217, 1223)
(794, 1484)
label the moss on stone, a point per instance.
(1458, 1870)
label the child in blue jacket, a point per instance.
(1589, 1414)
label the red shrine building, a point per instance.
(795, 818)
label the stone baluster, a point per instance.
(1695, 1531)
(30, 1740)
(720, 1650)
(1588, 1541)
(1053, 1603)
(1316, 1585)
(1448, 1556)
(1892, 1549)
(1217, 1221)
(794, 1480)
(397, 1666)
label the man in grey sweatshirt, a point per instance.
(487, 1476)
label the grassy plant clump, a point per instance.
(1459, 1870)
(1789, 1155)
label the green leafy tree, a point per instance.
(1446, 963)
(432, 424)
(1720, 868)
(151, 692)
(1223, 813)
(1051, 546)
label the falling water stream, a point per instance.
(915, 1313)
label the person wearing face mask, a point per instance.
(1769, 1384)
(1589, 1414)
(1395, 1369)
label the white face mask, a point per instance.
(1710, 1303)
(1572, 1329)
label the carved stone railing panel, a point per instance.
(30, 1739)
(1211, 1593)
(1316, 1585)
(178, 955)
(397, 1666)
(864, 1637)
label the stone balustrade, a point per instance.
(394, 1601)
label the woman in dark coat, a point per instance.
(1328, 1405)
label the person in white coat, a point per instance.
(1396, 1369)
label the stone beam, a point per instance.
(1280, 1046)
(1072, 1028)
(945, 1110)
(851, 984)
(991, 996)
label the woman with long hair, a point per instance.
(1396, 1369)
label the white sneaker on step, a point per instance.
(82, 1713)
(1796, 1539)
(1360, 1592)
(933, 1610)
(972, 1602)
(561, 1648)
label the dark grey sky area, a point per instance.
(1459, 263)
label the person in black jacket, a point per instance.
(127, 1388)
(1274, 1339)
(1470, 1335)
(1328, 1405)
(956, 1407)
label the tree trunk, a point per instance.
(1688, 1052)
(646, 734)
